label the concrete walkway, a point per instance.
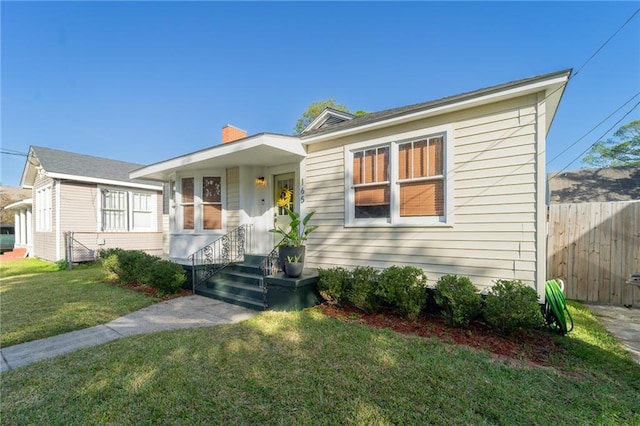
(623, 323)
(182, 312)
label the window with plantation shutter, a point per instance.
(399, 182)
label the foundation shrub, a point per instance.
(403, 290)
(458, 299)
(333, 283)
(510, 306)
(129, 266)
(360, 289)
(165, 276)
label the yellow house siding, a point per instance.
(494, 201)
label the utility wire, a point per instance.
(594, 128)
(591, 146)
(573, 75)
(12, 152)
(606, 42)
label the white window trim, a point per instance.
(44, 208)
(198, 203)
(129, 192)
(393, 141)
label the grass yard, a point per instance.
(305, 368)
(37, 301)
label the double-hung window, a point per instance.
(127, 210)
(201, 203)
(398, 181)
(43, 209)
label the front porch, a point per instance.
(243, 283)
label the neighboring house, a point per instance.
(452, 186)
(595, 185)
(15, 204)
(91, 197)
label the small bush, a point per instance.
(511, 305)
(332, 284)
(62, 265)
(130, 266)
(166, 276)
(359, 293)
(458, 299)
(403, 289)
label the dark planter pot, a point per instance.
(283, 252)
(293, 269)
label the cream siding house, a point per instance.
(455, 185)
(94, 199)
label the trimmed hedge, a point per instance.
(510, 306)
(138, 267)
(458, 299)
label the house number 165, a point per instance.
(301, 191)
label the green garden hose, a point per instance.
(555, 308)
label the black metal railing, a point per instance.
(270, 264)
(215, 256)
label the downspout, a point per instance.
(541, 196)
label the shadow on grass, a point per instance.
(305, 368)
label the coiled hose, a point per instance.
(555, 308)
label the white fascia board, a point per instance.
(17, 204)
(535, 87)
(104, 181)
(289, 143)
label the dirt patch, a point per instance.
(529, 348)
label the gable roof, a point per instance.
(554, 83)
(595, 185)
(328, 117)
(79, 167)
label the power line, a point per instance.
(12, 152)
(594, 128)
(606, 42)
(591, 146)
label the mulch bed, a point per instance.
(531, 347)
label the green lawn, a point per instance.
(307, 369)
(37, 301)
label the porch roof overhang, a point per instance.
(27, 202)
(264, 149)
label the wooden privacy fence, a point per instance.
(594, 247)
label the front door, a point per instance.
(284, 195)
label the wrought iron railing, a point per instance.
(215, 256)
(270, 264)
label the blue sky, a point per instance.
(147, 81)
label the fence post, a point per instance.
(69, 250)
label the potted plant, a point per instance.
(293, 267)
(292, 240)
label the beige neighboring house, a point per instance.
(595, 185)
(453, 186)
(91, 197)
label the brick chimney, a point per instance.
(231, 133)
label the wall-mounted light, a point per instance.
(260, 181)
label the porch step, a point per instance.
(229, 297)
(238, 283)
(16, 253)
